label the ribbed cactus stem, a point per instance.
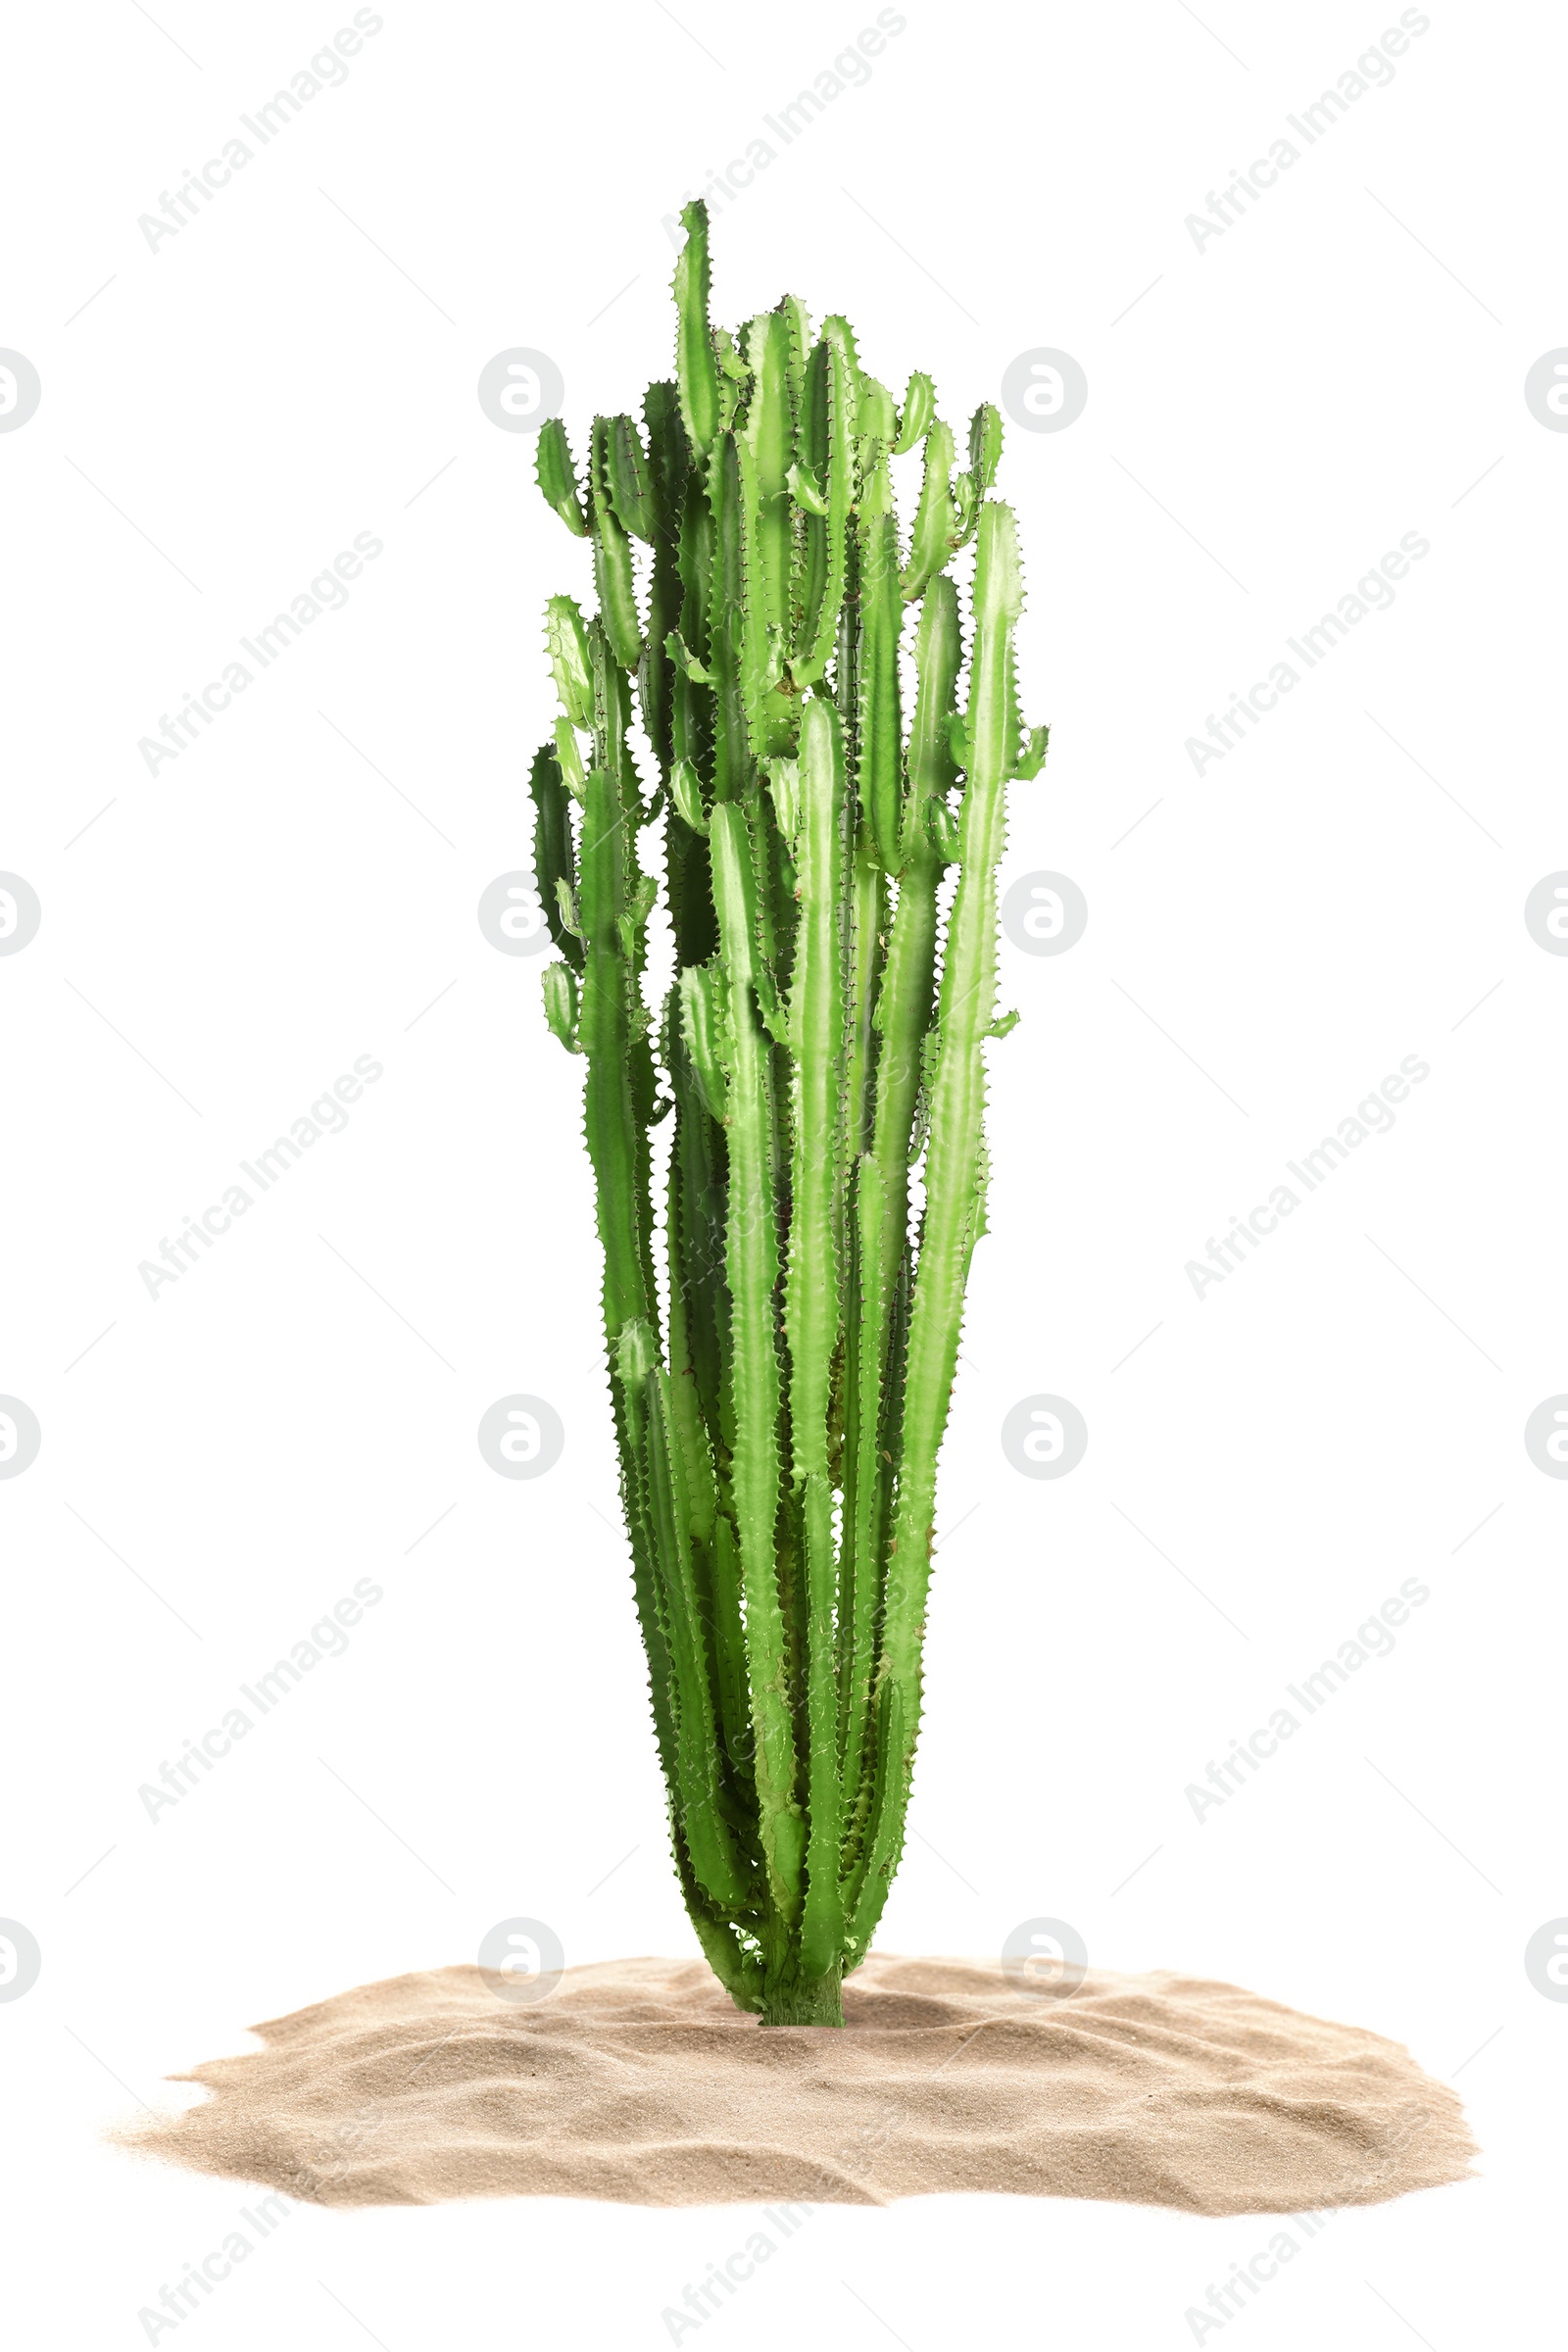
(779, 1429)
(953, 1180)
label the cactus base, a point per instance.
(814, 2002)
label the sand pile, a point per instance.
(637, 2080)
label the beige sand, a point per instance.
(637, 2080)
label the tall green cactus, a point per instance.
(779, 1420)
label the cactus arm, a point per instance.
(697, 1748)
(561, 996)
(566, 641)
(816, 1043)
(606, 1026)
(752, 1267)
(628, 482)
(836, 396)
(839, 336)
(878, 420)
(558, 476)
(696, 1235)
(553, 861)
(727, 1956)
(770, 714)
(613, 580)
(1032, 758)
(862, 1474)
(880, 727)
(798, 329)
(936, 519)
(696, 369)
(915, 416)
(953, 1178)
(770, 437)
(667, 470)
(902, 1019)
(731, 743)
(823, 1914)
(985, 445)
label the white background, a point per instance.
(297, 366)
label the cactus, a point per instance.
(819, 1059)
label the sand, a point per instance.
(637, 2080)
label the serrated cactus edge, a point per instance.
(820, 1059)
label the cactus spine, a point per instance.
(779, 1422)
